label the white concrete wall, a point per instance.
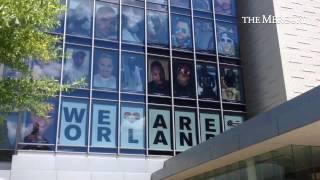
(299, 45)
(66, 166)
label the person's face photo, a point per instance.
(183, 75)
(223, 7)
(78, 58)
(226, 44)
(105, 67)
(105, 22)
(156, 75)
(182, 31)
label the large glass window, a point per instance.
(183, 79)
(181, 32)
(181, 3)
(158, 28)
(132, 25)
(207, 82)
(105, 70)
(132, 73)
(204, 35)
(230, 84)
(158, 79)
(228, 44)
(77, 65)
(106, 24)
(79, 18)
(202, 5)
(225, 7)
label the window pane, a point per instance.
(231, 121)
(159, 83)
(203, 5)
(228, 44)
(158, 28)
(74, 117)
(105, 70)
(106, 26)
(51, 69)
(79, 17)
(210, 125)
(132, 126)
(181, 3)
(225, 7)
(133, 25)
(77, 65)
(133, 73)
(204, 36)
(181, 32)
(183, 79)
(207, 81)
(158, 1)
(186, 133)
(230, 84)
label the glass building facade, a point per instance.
(159, 76)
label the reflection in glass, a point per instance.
(132, 127)
(105, 70)
(230, 84)
(157, 28)
(106, 21)
(79, 17)
(181, 32)
(8, 131)
(40, 69)
(228, 44)
(183, 80)
(207, 81)
(181, 3)
(202, 5)
(158, 1)
(224, 7)
(204, 35)
(158, 77)
(132, 73)
(133, 25)
(76, 67)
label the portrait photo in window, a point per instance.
(181, 32)
(204, 36)
(225, 7)
(183, 79)
(133, 73)
(230, 84)
(158, 33)
(105, 70)
(50, 69)
(132, 25)
(181, 3)
(106, 24)
(228, 44)
(207, 81)
(79, 18)
(202, 5)
(77, 65)
(158, 77)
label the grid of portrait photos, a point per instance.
(147, 77)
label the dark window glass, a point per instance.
(181, 32)
(8, 129)
(181, 3)
(202, 5)
(158, 28)
(105, 70)
(230, 84)
(158, 1)
(231, 121)
(132, 131)
(228, 44)
(204, 35)
(77, 65)
(183, 79)
(50, 69)
(40, 130)
(79, 17)
(106, 24)
(225, 7)
(159, 75)
(207, 81)
(132, 25)
(133, 73)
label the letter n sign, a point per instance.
(73, 123)
(159, 129)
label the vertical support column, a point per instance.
(119, 85)
(251, 169)
(146, 77)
